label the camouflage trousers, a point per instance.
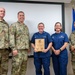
(19, 63)
(73, 61)
(4, 57)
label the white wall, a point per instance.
(49, 14)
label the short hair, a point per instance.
(56, 24)
(20, 12)
(41, 23)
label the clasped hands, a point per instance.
(57, 52)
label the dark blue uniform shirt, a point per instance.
(46, 36)
(58, 40)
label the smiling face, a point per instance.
(58, 27)
(21, 17)
(2, 13)
(41, 27)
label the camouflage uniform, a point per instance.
(4, 53)
(72, 43)
(19, 40)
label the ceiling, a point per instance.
(64, 1)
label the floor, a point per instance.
(31, 68)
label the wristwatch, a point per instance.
(60, 49)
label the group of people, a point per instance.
(16, 37)
(57, 42)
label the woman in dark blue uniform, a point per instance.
(59, 51)
(42, 58)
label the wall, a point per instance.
(68, 27)
(68, 18)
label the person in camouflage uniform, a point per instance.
(19, 43)
(4, 43)
(72, 49)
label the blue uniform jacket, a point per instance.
(46, 36)
(58, 40)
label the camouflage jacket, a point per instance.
(72, 39)
(19, 36)
(4, 34)
(72, 43)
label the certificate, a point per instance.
(39, 45)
